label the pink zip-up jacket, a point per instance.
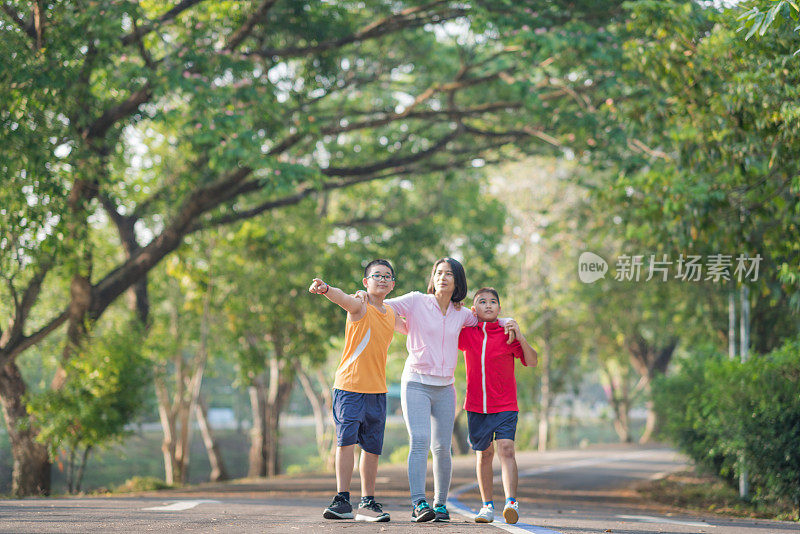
(432, 341)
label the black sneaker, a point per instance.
(340, 508)
(422, 512)
(441, 513)
(371, 511)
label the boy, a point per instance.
(491, 401)
(359, 394)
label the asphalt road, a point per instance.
(567, 492)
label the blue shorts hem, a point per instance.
(487, 427)
(360, 419)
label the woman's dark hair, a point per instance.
(371, 264)
(459, 278)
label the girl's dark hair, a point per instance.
(459, 278)
(371, 264)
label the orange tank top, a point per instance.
(363, 365)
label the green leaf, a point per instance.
(756, 24)
(768, 19)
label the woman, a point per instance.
(428, 393)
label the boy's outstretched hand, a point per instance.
(318, 286)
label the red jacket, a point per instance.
(491, 386)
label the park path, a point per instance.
(566, 492)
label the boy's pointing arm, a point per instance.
(355, 307)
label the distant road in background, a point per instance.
(568, 492)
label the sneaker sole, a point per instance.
(425, 517)
(483, 520)
(441, 520)
(510, 515)
(330, 514)
(379, 519)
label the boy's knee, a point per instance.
(505, 448)
(488, 452)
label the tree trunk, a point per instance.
(80, 290)
(258, 432)
(619, 397)
(649, 360)
(32, 468)
(82, 469)
(268, 398)
(218, 471)
(460, 441)
(277, 397)
(327, 397)
(322, 417)
(69, 470)
(167, 417)
(176, 415)
(651, 426)
(621, 422)
(546, 393)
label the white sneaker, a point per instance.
(511, 512)
(486, 515)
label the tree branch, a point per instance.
(294, 199)
(125, 224)
(17, 19)
(309, 190)
(426, 114)
(38, 23)
(141, 261)
(25, 342)
(391, 162)
(140, 32)
(247, 28)
(638, 146)
(99, 127)
(408, 18)
(526, 131)
(395, 167)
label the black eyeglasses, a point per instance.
(379, 277)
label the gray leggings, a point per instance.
(429, 411)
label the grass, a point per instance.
(138, 459)
(139, 455)
(693, 490)
(136, 484)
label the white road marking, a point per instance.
(178, 506)
(524, 528)
(520, 528)
(651, 519)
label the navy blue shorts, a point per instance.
(487, 427)
(360, 418)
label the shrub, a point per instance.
(726, 415)
(399, 455)
(134, 484)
